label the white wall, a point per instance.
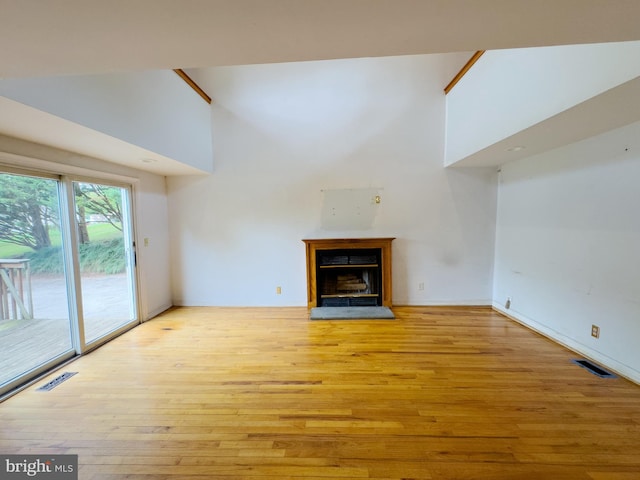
(155, 110)
(284, 133)
(150, 203)
(152, 220)
(508, 91)
(568, 246)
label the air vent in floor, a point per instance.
(593, 368)
(56, 381)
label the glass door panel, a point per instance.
(35, 325)
(106, 258)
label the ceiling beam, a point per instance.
(463, 71)
(182, 74)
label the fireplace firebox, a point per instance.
(349, 272)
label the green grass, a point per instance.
(103, 257)
(97, 232)
(103, 254)
(9, 250)
(95, 257)
(102, 231)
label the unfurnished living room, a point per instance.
(287, 239)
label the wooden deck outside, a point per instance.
(16, 300)
(439, 393)
(26, 343)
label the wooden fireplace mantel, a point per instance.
(315, 245)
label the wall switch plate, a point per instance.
(278, 290)
(421, 286)
(595, 331)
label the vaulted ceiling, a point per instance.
(72, 37)
(95, 36)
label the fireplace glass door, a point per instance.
(349, 277)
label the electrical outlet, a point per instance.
(278, 290)
(595, 331)
(507, 304)
(421, 286)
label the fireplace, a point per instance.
(349, 272)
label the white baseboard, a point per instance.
(567, 342)
(445, 303)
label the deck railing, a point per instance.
(16, 301)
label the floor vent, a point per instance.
(593, 368)
(56, 381)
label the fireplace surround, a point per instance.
(348, 272)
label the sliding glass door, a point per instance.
(104, 244)
(67, 270)
(35, 325)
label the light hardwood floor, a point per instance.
(264, 393)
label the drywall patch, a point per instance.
(350, 208)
